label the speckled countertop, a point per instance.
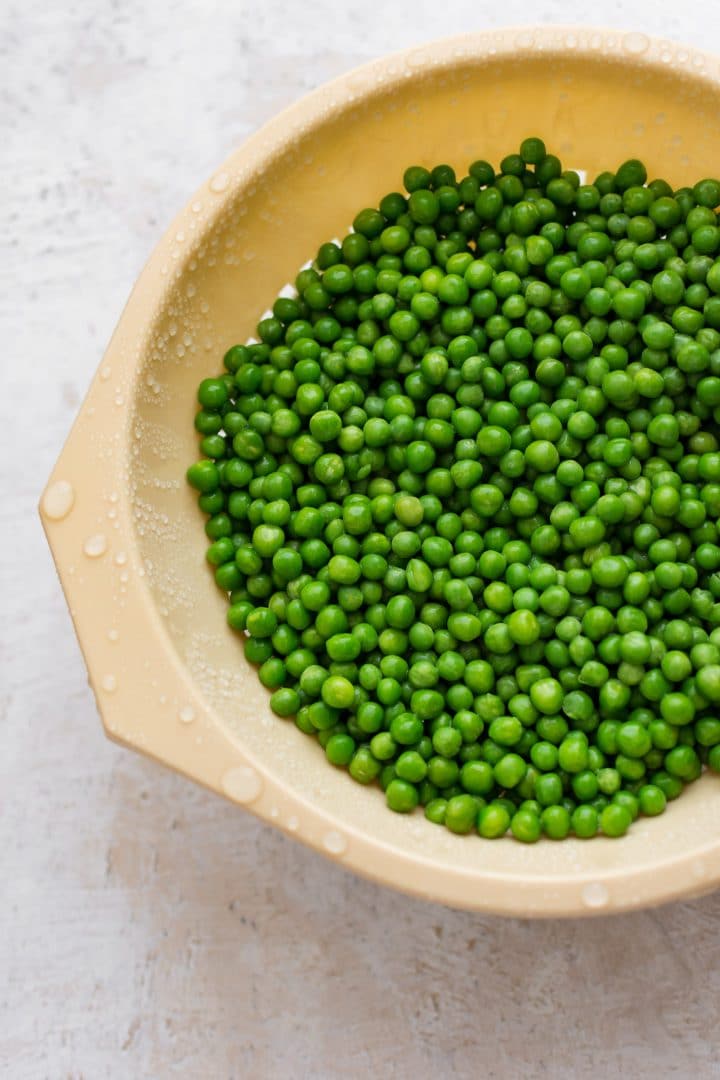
(147, 928)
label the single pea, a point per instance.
(683, 762)
(338, 692)
(546, 695)
(339, 749)
(525, 826)
(204, 476)
(555, 822)
(615, 820)
(493, 821)
(707, 680)
(584, 821)
(633, 739)
(401, 796)
(461, 814)
(652, 800)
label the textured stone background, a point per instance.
(148, 929)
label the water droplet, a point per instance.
(524, 39)
(275, 813)
(219, 182)
(95, 546)
(58, 500)
(113, 634)
(119, 399)
(186, 715)
(105, 373)
(293, 824)
(636, 42)
(196, 207)
(190, 290)
(120, 558)
(595, 895)
(334, 842)
(242, 784)
(109, 683)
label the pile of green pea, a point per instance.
(464, 495)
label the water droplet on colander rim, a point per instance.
(635, 42)
(95, 545)
(58, 500)
(595, 894)
(242, 784)
(334, 842)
